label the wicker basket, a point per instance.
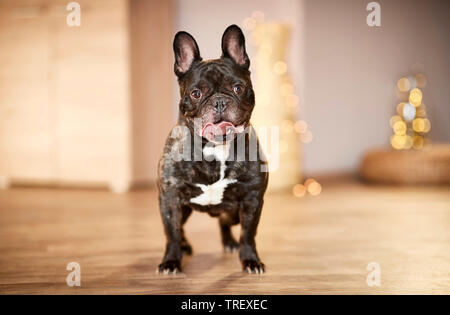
(387, 166)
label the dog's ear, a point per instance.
(233, 46)
(186, 52)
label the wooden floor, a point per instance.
(311, 245)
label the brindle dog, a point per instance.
(219, 176)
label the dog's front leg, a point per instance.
(249, 216)
(171, 214)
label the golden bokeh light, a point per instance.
(421, 125)
(394, 119)
(314, 188)
(292, 100)
(421, 80)
(308, 181)
(277, 87)
(403, 85)
(280, 67)
(400, 108)
(299, 190)
(287, 89)
(301, 126)
(402, 96)
(418, 125)
(415, 97)
(410, 124)
(398, 142)
(418, 142)
(287, 126)
(291, 110)
(306, 137)
(421, 111)
(408, 142)
(399, 128)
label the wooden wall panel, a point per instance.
(26, 148)
(151, 31)
(92, 90)
(89, 104)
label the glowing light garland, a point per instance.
(277, 102)
(411, 125)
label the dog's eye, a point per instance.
(196, 93)
(238, 88)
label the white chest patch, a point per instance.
(213, 194)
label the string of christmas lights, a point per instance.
(410, 125)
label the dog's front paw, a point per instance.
(169, 267)
(253, 266)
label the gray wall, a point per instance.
(351, 72)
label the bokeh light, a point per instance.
(421, 80)
(421, 125)
(299, 190)
(306, 137)
(408, 142)
(409, 112)
(410, 124)
(314, 188)
(394, 119)
(287, 126)
(308, 181)
(400, 108)
(418, 142)
(398, 142)
(280, 67)
(403, 84)
(292, 100)
(301, 126)
(287, 89)
(399, 128)
(415, 97)
(421, 111)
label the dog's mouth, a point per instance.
(221, 131)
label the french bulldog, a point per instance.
(223, 172)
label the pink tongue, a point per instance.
(211, 131)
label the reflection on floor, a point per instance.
(310, 245)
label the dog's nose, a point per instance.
(219, 105)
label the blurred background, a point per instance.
(87, 101)
(91, 105)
